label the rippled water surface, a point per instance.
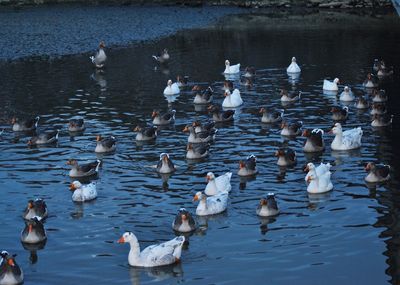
(348, 234)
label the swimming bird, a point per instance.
(293, 67)
(99, 59)
(232, 100)
(314, 140)
(76, 125)
(182, 81)
(218, 184)
(370, 82)
(268, 206)
(286, 157)
(361, 103)
(197, 137)
(219, 115)
(231, 69)
(269, 116)
(202, 97)
(331, 85)
(154, 255)
(379, 96)
(197, 151)
(319, 184)
(289, 97)
(83, 193)
(208, 127)
(34, 231)
(165, 164)
(211, 205)
(228, 85)
(378, 109)
(347, 95)
(83, 170)
(145, 133)
(104, 145)
(163, 57)
(346, 140)
(320, 170)
(10, 272)
(163, 119)
(172, 88)
(183, 221)
(35, 208)
(340, 113)
(291, 128)
(377, 172)
(19, 125)
(249, 72)
(381, 120)
(248, 167)
(44, 138)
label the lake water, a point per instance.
(350, 235)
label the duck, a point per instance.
(19, 125)
(320, 170)
(286, 157)
(165, 164)
(197, 137)
(145, 133)
(314, 140)
(172, 88)
(218, 184)
(383, 71)
(44, 138)
(204, 97)
(377, 172)
(247, 81)
(378, 109)
(249, 72)
(10, 272)
(163, 57)
(381, 120)
(83, 170)
(211, 205)
(231, 69)
(291, 129)
(268, 206)
(104, 145)
(347, 95)
(293, 67)
(183, 222)
(289, 97)
(34, 231)
(83, 193)
(340, 113)
(269, 116)
(248, 167)
(219, 115)
(163, 119)
(331, 85)
(319, 184)
(35, 208)
(379, 96)
(197, 151)
(182, 81)
(369, 82)
(361, 103)
(205, 127)
(99, 59)
(346, 140)
(232, 100)
(165, 253)
(76, 125)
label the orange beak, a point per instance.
(185, 129)
(306, 168)
(72, 187)
(153, 114)
(30, 205)
(121, 240)
(208, 178)
(136, 129)
(195, 198)
(98, 138)
(241, 164)
(165, 158)
(29, 228)
(11, 262)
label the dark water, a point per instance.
(347, 236)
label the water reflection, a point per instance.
(157, 274)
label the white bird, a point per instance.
(319, 184)
(331, 85)
(218, 184)
(350, 139)
(233, 99)
(99, 59)
(172, 88)
(231, 69)
(317, 171)
(163, 57)
(211, 205)
(293, 67)
(83, 193)
(347, 95)
(165, 253)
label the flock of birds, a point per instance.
(214, 198)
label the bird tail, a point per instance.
(37, 121)
(92, 58)
(98, 165)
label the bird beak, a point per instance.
(195, 198)
(11, 262)
(331, 131)
(165, 158)
(98, 138)
(306, 168)
(184, 217)
(304, 133)
(30, 205)
(72, 187)
(121, 240)
(136, 129)
(185, 129)
(226, 94)
(241, 164)
(367, 167)
(29, 228)
(208, 178)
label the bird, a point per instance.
(269, 116)
(216, 185)
(319, 184)
(361, 103)
(208, 126)
(202, 97)
(377, 172)
(182, 81)
(369, 82)
(197, 137)
(249, 72)
(286, 157)
(293, 67)
(197, 151)
(163, 57)
(291, 129)
(211, 205)
(44, 138)
(145, 133)
(346, 95)
(99, 59)
(331, 85)
(166, 253)
(219, 115)
(34, 231)
(268, 206)
(379, 96)
(183, 221)
(76, 125)
(228, 85)
(83, 170)
(346, 140)
(340, 113)
(35, 208)
(378, 108)
(231, 69)
(19, 125)
(321, 169)
(104, 145)
(232, 100)
(165, 165)
(381, 120)
(172, 88)
(83, 193)
(10, 272)
(289, 97)
(163, 119)
(248, 167)
(314, 140)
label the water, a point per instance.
(348, 234)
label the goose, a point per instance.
(369, 82)
(378, 109)
(314, 140)
(154, 255)
(331, 85)
(218, 184)
(340, 113)
(182, 81)
(293, 67)
(104, 145)
(286, 157)
(211, 205)
(231, 69)
(248, 167)
(165, 164)
(361, 103)
(377, 172)
(268, 206)
(10, 272)
(19, 125)
(381, 120)
(319, 184)
(346, 140)
(183, 221)
(44, 138)
(35, 208)
(34, 231)
(208, 127)
(83, 170)
(383, 70)
(83, 193)
(249, 72)
(291, 129)
(76, 125)
(163, 119)
(320, 170)
(379, 96)
(232, 100)
(145, 133)
(346, 95)
(99, 59)
(219, 115)
(289, 97)
(269, 116)
(197, 151)
(247, 81)
(202, 97)
(163, 57)
(172, 88)
(199, 137)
